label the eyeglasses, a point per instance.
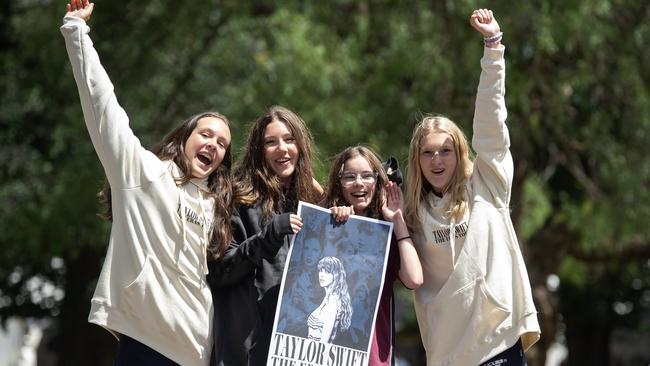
(349, 178)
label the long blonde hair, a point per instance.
(417, 187)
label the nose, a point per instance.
(282, 146)
(211, 144)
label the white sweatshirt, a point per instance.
(152, 285)
(476, 300)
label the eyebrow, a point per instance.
(355, 172)
(429, 147)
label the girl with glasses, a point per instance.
(358, 185)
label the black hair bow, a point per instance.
(391, 167)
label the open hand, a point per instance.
(80, 9)
(483, 21)
(393, 202)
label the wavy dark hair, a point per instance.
(335, 191)
(172, 147)
(255, 181)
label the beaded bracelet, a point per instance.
(493, 39)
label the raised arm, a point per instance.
(123, 158)
(410, 269)
(491, 140)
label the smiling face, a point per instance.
(206, 146)
(358, 182)
(280, 151)
(438, 160)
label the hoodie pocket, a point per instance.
(463, 320)
(143, 298)
(164, 310)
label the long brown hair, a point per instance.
(256, 182)
(172, 147)
(334, 189)
(417, 187)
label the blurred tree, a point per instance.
(357, 72)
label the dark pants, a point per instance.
(131, 352)
(513, 356)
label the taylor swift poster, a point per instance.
(330, 290)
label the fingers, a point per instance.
(296, 223)
(483, 16)
(342, 213)
(393, 192)
(397, 193)
(81, 8)
(388, 193)
(483, 21)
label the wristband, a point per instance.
(406, 237)
(493, 39)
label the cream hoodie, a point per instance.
(152, 285)
(476, 299)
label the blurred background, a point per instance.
(357, 72)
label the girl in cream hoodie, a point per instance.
(167, 207)
(475, 305)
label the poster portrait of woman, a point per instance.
(334, 314)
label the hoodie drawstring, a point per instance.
(204, 241)
(452, 239)
(183, 220)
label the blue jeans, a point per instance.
(513, 356)
(131, 352)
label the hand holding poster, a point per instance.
(330, 290)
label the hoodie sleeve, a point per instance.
(493, 167)
(120, 152)
(245, 254)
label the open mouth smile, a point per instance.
(204, 158)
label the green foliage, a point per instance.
(536, 208)
(357, 72)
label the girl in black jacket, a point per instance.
(274, 174)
